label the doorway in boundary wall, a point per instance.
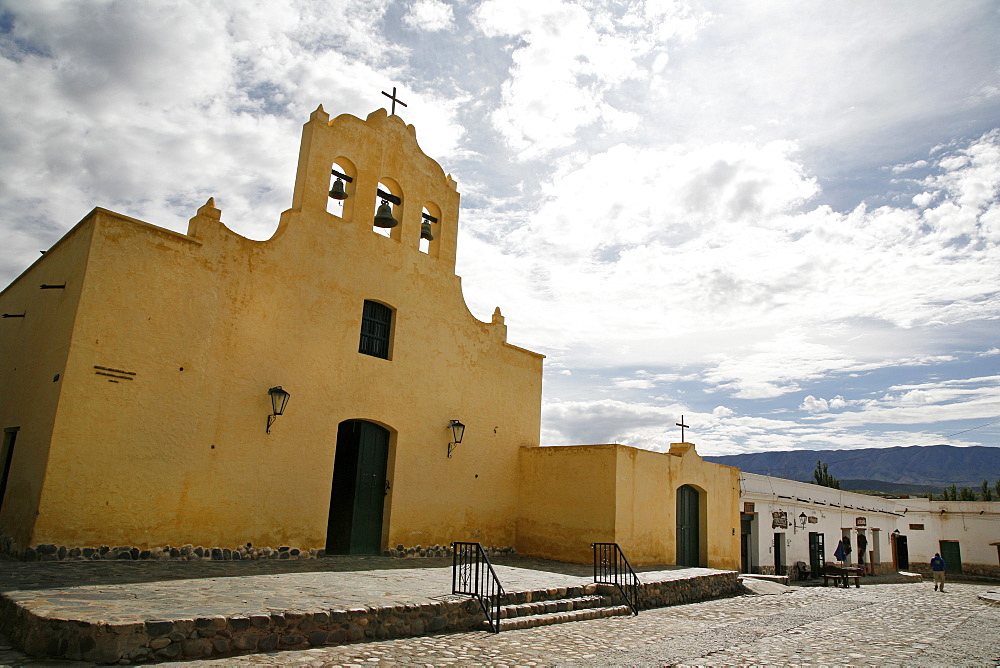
(688, 526)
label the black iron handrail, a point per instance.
(612, 568)
(473, 574)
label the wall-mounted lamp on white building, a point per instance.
(278, 400)
(457, 433)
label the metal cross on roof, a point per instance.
(394, 99)
(682, 426)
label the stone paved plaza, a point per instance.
(880, 625)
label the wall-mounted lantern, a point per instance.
(279, 398)
(802, 520)
(457, 433)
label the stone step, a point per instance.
(552, 594)
(532, 621)
(547, 607)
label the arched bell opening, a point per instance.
(340, 201)
(388, 209)
(430, 228)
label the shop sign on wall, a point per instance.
(779, 519)
(860, 522)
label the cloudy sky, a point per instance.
(778, 219)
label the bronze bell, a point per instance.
(425, 231)
(337, 191)
(383, 218)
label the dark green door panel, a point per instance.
(358, 491)
(952, 555)
(688, 539)
(366, 527)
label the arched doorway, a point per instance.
(357, 495)
(688, 523)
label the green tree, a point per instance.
(949, 493)
(821, 476)
(996, 487)
(987, 493)
(929, 496)
(966, 494)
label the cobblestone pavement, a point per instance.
(881, 625)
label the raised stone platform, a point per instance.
(111, 612)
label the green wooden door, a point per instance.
(369, 495)
(688, 539)
(357, 493)
(952, 555)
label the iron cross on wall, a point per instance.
(394, 100)
(683, 427)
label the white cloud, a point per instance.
(568, 63)
(814, 405)
(431, 15)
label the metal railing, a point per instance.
(472, 574)
(612, 568)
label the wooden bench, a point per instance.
(842, 576)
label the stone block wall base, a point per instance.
(49, 552)
(213, 637)
(987, 572)
(416, 551)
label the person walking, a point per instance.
(937, 568)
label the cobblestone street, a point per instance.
(882, 625)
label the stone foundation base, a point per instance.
(186, 553)
(403, 552)
(49, 552)
(972, 571)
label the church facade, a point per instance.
(326, 390)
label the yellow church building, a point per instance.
(326, 391)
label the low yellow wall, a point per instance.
(572, 496)
(566, 501)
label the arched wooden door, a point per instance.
(357, 495)
(688, 521)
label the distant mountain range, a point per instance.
(912, 469)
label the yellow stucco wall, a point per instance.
(33, 352)
(205, 323)
(572, 496)
(566, 501)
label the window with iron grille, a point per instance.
(376, 325)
